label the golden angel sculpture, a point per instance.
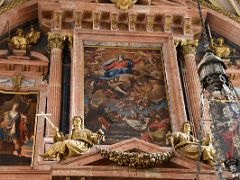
(185, 144)
(76, 143)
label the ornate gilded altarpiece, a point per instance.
(125, 92)
(17, 130)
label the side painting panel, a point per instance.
(125, 93)
(17, 122)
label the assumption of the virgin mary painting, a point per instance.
(125, 93)
(17, 122)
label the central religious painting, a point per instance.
(125, 92)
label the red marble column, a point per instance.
(192, 81)
(55, 81)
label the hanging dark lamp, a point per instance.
(224, 109)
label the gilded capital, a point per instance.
(189, 46)
(55, 40)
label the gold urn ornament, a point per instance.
(124, 4)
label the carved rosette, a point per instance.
(189, 47)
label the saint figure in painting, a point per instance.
(115, 67)
(11, 129)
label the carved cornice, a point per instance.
(11, 5)
(189, 46)
(221, 11)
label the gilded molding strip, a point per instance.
(11, 5)
(225, 13)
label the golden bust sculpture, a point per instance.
(185, 144)
(218, 48)
(19, 41)
(76, 143)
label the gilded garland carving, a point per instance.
(11, 5)
(135, 159)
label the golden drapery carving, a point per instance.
(184, 143)
(74, 144)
